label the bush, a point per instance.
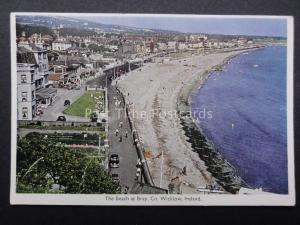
(42, 163)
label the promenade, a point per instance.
(125, 148)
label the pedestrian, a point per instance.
(121, 124)
(126, 133)
(184, 170)
(117, 132)
(120, 138)
(138, 164)
(138, 173)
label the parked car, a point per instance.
(115, 177)
(61, 118)
(67, 102)
(114, 161)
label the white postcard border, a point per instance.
(146, 199)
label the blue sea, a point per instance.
(242, 111)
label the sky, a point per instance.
(232, 26)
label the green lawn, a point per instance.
(85, 104)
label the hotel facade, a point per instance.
(32, 79)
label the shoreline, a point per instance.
(224, 173)
(161, 87)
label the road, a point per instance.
(125, 149)
(53, 111)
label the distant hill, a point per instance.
(67, 22)
(82, 24)
(29, 30)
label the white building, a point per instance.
(26, 94)
(196, 45)
(162, 46)
(172, 44)
(41, 58)
(32, 76)
(182, 46)
(61, 45)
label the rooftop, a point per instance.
(45, 93)
(25, 56)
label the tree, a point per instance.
(83, 45)
(30, 30)
(41, 163)
(97, 48)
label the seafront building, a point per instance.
(75, 59)
(26, 94)
(32, 77)
(61, 45)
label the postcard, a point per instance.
(151, 109)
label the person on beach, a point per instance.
(184, 170)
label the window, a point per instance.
(32, 95)
(32, 78)
(23, 78)
(45, 56)
(24, 96)
(40, 68)
(25, 113)
(40, 56)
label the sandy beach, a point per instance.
(155, 93)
